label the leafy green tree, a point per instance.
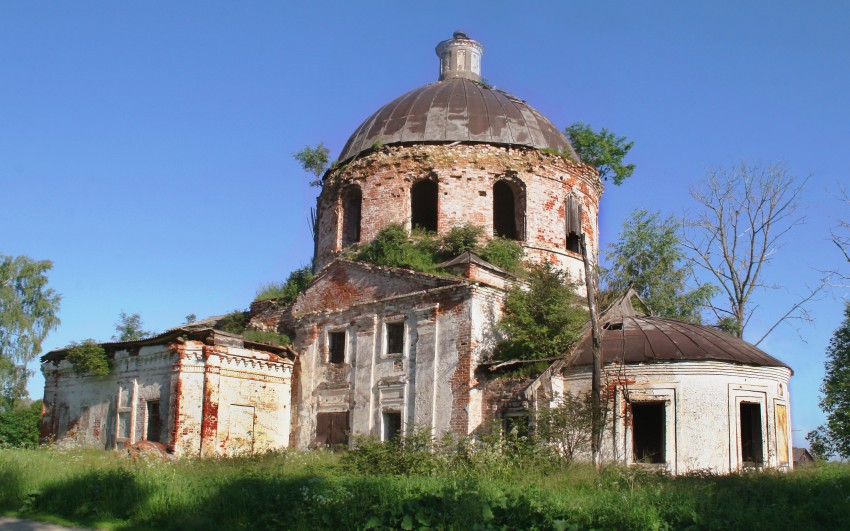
(28, 307)
(88, 358)
(129, 328)
(834, 437)
(649, 256)
(28, 311)
(19, 426)
(314, 160)
(542, 318)
(603, 150)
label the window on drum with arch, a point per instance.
(572, 213)
(508, 210)
(352, 206)
(423, 205)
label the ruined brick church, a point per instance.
(380, 351)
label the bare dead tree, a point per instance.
(841, 237)
(591, 282)
(744, 213)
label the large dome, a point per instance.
(458, 108)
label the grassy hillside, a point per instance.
(379, 489)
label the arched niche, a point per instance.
(351, 202)
(508, 210)
(423, 205)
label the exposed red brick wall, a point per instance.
(465, 175)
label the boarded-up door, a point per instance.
(782, 434)
(332, 428)
(240, 430)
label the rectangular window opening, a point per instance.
(649, 432)
(154, 426)
(395, 338)
(392, 425)
(517, 425)
(336, 347)
(751, 435)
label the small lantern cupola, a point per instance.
(460, 56)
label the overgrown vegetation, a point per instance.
(424, 251)
(269, 337)
(19, 425)
(89, 359)
(542, 319)
(459, 486)
(237, 321)
(603, 150)
(286, 291)
(314, 160)
(129, 328)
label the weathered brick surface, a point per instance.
(465, 175)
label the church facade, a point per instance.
(382, 351)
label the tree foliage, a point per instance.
(28, 307)
(286, 291)
(602, 150)
(743, 214)
(129, 328)
(19, 426)
(89, 359)
(649, 256)
(314, 160)
(834, 437)
(543, 318)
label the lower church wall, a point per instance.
(716, 416)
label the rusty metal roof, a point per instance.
(643, 339)
(456, 110)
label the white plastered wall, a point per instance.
(702, 410)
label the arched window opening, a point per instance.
(572, 209)
(423, 205)
(352, 201)
(507, 214)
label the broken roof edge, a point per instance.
(468, 257)
(197, 334)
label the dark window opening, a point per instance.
(751, 436)
(504, 211)
(649, 432)
(395, 338)
(154, 428)
(572, 210)
(423, 205)
(352, 201)
(392, 425)
(517, 425)
(336, 347)
(613, 326)
(332, 428)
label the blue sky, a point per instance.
(146, 148)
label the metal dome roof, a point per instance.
(644, 339)
(456, 110)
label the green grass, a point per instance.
(321, 490)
